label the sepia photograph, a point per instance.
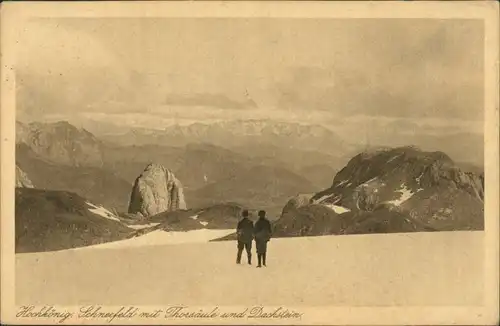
(250, 163)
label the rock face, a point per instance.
(307, 220)
(22, 180)
(318, 219)
(155, 191)
(296, 202)
(61, 143)
(48, 220)
(428, 186)
(394, 190)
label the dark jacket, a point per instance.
(245, 230)
(262, 230)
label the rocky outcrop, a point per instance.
(298, 201)
(49, 220)
(318, 219)
(366, 197)
(384, 174)
(307, 220)
(22, 180)
(391, 190)
(155, 191)
(427, 186)
(61, 143)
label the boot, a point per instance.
(259, 257)
(264, 259)
(238, 258)
(249, 259)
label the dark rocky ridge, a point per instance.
(390, 190)
(386, 168)
(57, 220)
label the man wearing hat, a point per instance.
(262, 234)
(244, 230)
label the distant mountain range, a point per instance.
(239, 133)
(274, 134)
(68, 180)
(59, 156)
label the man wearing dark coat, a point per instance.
(262, 235)
(244, 230)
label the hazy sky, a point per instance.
(337, 72)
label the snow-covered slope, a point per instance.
(101, 211)
(142, 226)
(160, 237)
(338, 209)
(419, 269)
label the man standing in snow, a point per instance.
(262, 234)
(244, 230)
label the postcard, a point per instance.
(243, 163)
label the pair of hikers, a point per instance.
(247, 232)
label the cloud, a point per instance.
(47, 47)
(395, 68)
(211, 100)
(437, 92)
(309, 70)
